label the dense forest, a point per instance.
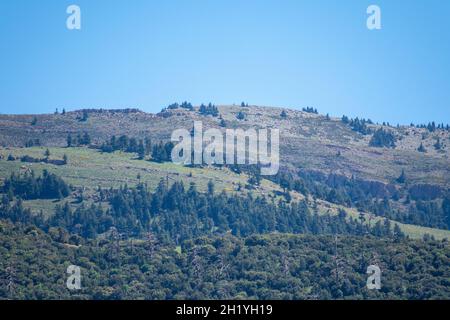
(177, 213)
(33, 266)
(27, 186)
(424, 205)
(179, 243)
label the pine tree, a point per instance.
(345, 119)
(382, 138)
(86, 140)
(148, 145)
(438, 145)
(402, 177)
(421, 148)
(210, 188)
(446, 210)
(85, 116)
(397, 233)
(69, 140)
(141, 150)
(209, 110)
(240, 115)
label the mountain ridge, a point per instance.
(310, 141)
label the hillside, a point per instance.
(311, 144)
(89, 169)
(308, 141)
(348, 191)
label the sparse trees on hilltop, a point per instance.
(85, 116)
(345, 119)
(210, 109)
(310, 110)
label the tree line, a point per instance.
(420, 204)
(28, 186)
(177, 213)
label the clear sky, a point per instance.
(148, 54)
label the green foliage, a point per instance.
(438, 144)
(69, 141)
(126, 144)
(310, 110)
(402, 177)
(32, 143)
(382, 138)
(240, 115)
(421, 148)
(345, 119)
(225, 267)
(371, 196)
(446, 209)
(210, 109)
(85, 116)
(177, 213)
(358, 125)
(184, 105)
(80, 140)
(86, 139)
(162, 152)
(27, 186)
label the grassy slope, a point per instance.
(89, 168)
(308, 141)
(312, 142)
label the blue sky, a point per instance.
(148, 54)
